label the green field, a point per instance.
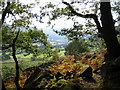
(8, 66)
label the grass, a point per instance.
(61, 53)
(8, 66)
(22, 56)
(9, 69)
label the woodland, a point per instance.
(90, 59)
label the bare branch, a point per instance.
(94, 16)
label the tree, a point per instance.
(105, 10)
(106, 30)
(16, 61)
(15, 38)
(26, 41)
(110, 36)
(76, 47)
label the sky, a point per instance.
(60, 23)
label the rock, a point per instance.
(97, 70)
(36, 78)
(44, 65)
(58, 75)
(87, 72)
(32, 77)
(68, 75)
(38, 74)
(117, 61)
(72, 86)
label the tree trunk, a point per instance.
(3, 86)
(16, 62)
(110, 71)
(108, 31)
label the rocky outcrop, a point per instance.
(38, 75)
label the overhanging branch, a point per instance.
(5, 12)
(94, 16)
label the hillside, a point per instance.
(55, 39)
(66, 73)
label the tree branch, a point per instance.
(4, 13)
(94, 16)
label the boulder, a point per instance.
(68, 75)
(86, 72)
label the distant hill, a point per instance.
(54, 37)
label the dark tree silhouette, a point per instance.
(16, 62)
(108, 31)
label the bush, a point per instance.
(33, 58)
(76, 47)
(7, 72)
(5, 56)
